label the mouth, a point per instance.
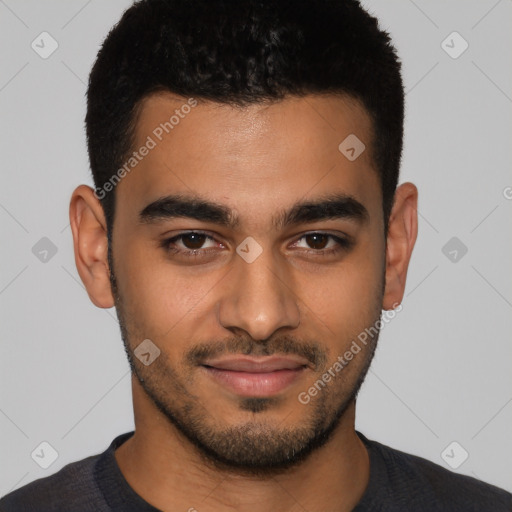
(256, 377)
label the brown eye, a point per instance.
(193, 240)
(324, 244)
(191, 243)
(317, 240)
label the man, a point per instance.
(247, 225)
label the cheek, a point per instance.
(164, 301)
(347, 298)
(158, 298)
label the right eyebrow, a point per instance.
(174, 206)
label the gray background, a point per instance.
(442, 371)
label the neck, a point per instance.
(168, 472)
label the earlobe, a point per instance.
(90, 244)
(402, 233)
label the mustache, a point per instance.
(311, 351)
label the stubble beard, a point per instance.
(256, 447)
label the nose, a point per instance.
(259, 297)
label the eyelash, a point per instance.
(342, 244)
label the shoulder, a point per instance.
(428, 486)
(78, 487)
(73, 486)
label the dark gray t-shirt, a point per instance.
(398, 482)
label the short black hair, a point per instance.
(241, 52)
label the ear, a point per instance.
(402, 232)
(90, 245)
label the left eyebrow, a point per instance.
(332, 207)
(338, 206)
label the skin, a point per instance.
(256, 161)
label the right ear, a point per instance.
(90, 244)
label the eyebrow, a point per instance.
(331, 207)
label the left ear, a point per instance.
(402, 232)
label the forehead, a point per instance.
(317, 118)
(257, 156)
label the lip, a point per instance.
(263, 364)
(249, 376)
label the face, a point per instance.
(248, 256)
